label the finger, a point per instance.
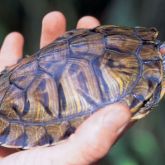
(88, 22)
(11, 50)
(91, 141)
(53, 25)
(103, 128)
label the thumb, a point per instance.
(96, 135)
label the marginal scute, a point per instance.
(142, 33)
(150, 53)
(72, 34)
(78, 121)
(143, 91)
(4, 85)
(133, 103)
(53, 52)
(56, 131)
(154, 99)
(15, 136)
(4, 125)
(122, 43)
(146, 33)
(153, 72)
(111, 30)
(36, 136)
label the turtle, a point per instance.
(46, 96)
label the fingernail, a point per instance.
(116, 116)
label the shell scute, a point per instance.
(122, 43)
(13, 103)
(150, 53)
(142, 33)
(133, 103)
(15, 136)
(35, 136)
(77, 101)
(40, 101)
(117, 72)
(153, 71)
(146, 33)
(91, 44)
(53, 52)
(143, 90)
(111, 30)
(56, 132)
(4, 130)
(24, 74)
(72, 34)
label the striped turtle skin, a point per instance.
(45, 97)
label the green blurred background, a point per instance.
(144, 144)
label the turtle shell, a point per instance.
(45, 97)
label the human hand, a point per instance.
(93, 139)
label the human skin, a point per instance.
(94, 138)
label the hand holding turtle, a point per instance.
(93, 139)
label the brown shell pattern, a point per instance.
(45, 97)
